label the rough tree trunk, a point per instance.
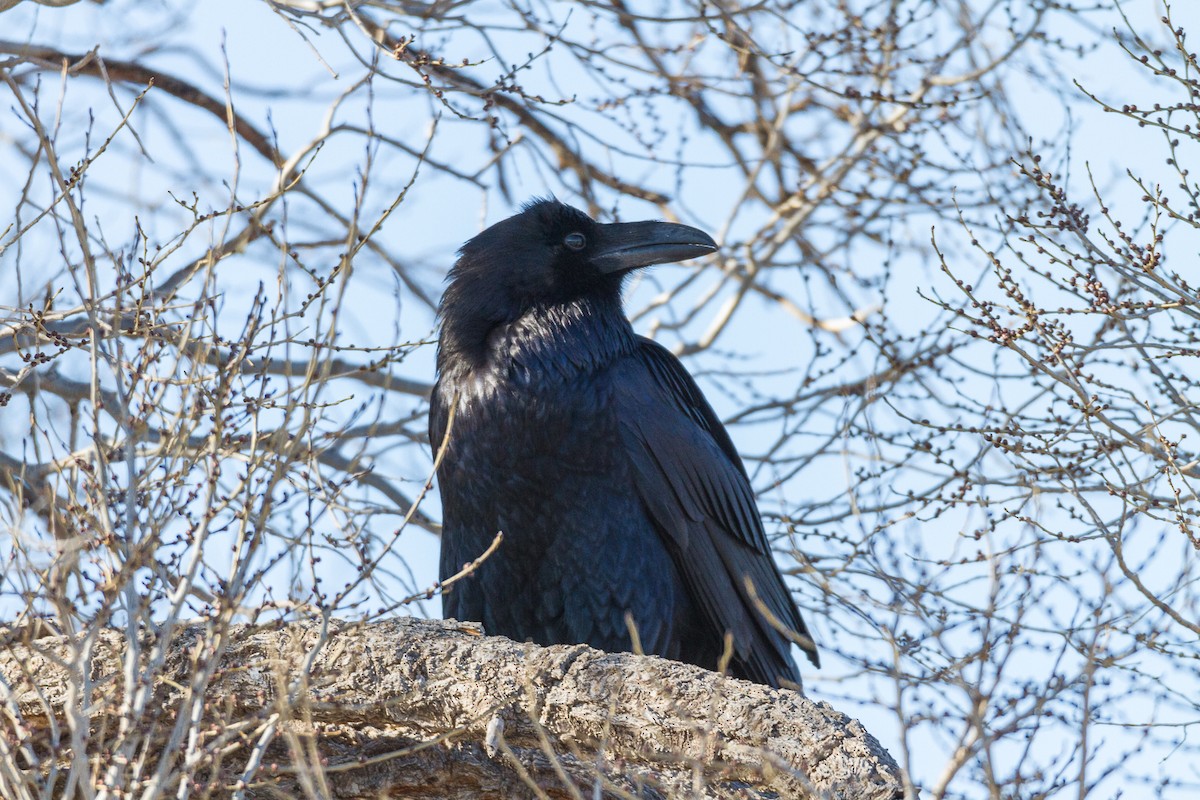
(413, 708)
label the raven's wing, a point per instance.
(692, 481)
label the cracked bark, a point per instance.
(416, 708)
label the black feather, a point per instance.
(618, 490)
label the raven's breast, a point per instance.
(539, 458)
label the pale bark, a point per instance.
(574, 718)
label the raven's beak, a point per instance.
(629, 245)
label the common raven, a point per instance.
(619, 493)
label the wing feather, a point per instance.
(693, 483)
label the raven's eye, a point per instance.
(575, 241)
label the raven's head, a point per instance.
(552, 254)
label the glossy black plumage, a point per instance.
(616, 486)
